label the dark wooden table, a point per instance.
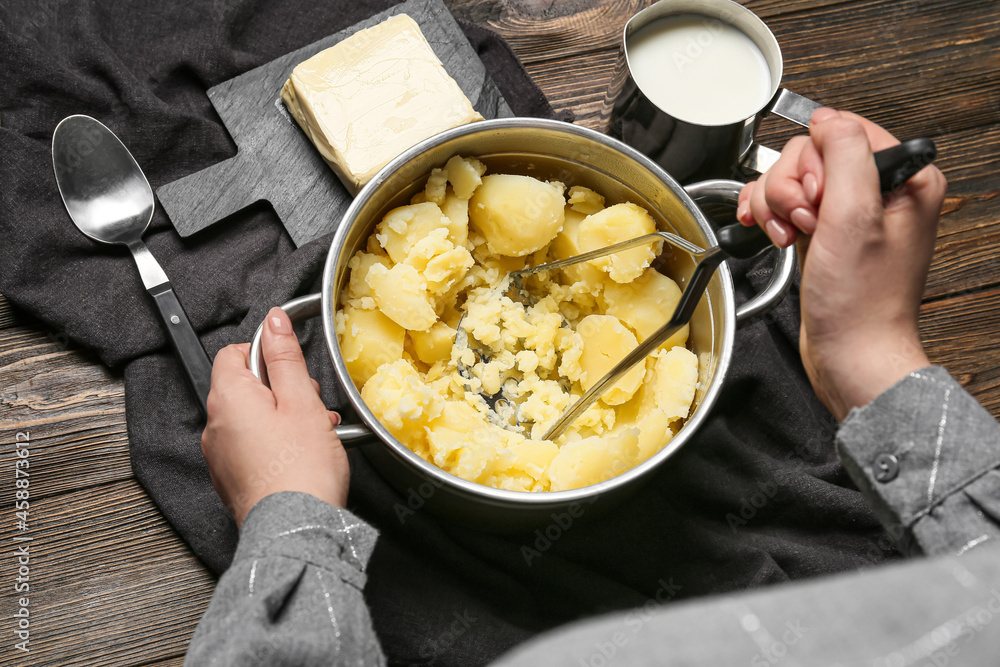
(112, 584)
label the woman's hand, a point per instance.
(259, 441)
(864, 263)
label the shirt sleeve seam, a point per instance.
(956, 488)
(335, 566)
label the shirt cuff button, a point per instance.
(886, 467)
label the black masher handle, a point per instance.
(896, 165)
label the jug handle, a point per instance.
(790, 106)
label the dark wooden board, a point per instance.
(276, 161)
(541, 30)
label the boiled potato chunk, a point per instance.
(465, 175)
(675, 379)
(522, 467)
(646, 304)
(437, 186)
(459, 416)
(401, 293)
(401, 400)
(369, 340)
(447, 268)
(517, 214)
(606, 341)
(630, 413)
(463, 443)
(427, 248)
(592, 460)
(654, 434)
(454, 417)
(357, 288)
(641, 413)
(584, 200)
(439, 261)
(531, 457)
(566, 244)
(445, 445)
(456, 210)
(435, 344)
(404, 227)
(476, 460)
(614, 224)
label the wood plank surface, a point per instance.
(876, 80)
(116, 586)
(72, 408)
(101, 551)
(9, 315)
(111, 583)
(540, 30)
(960, 334)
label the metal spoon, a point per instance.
(110, 201)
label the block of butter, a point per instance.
(368, 98)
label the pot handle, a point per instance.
(728, 192)
(298, 309)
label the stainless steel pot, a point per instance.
(576, 156)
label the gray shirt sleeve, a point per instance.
(293, 595)
(925, 454)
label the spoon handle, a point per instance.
(184, 340)
(196, 364)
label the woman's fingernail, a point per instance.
(742, 211)
(811, 186)
(823, 113)
(280, 325)
(777, 233)
(804, 219)
(336, 418)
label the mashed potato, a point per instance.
(447, 254)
